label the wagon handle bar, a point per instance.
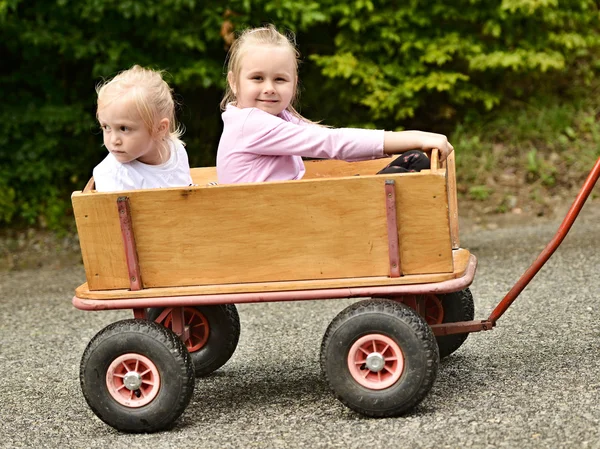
(564, 228)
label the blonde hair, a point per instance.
(151, 95)
(266, 36)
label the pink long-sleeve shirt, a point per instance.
(257, 146)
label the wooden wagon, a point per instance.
(181, 258)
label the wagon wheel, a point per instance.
(137, 376)
(458, 306)
(379, 357)
(214, 333)
(433, 310)
(448, 308)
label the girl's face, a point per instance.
(266, 80)
(126, 136)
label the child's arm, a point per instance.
(401, 141)
(261, 133)
(289, 117)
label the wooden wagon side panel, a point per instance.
(100, 239)
(298, 230)
(333, 168)
(424, 229)
(201, 176)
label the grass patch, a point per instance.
(480, 193)
(529, 151)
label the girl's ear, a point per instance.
(231, 81)
(163, 128)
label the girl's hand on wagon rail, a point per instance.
(395, 142)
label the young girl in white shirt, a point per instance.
(264, 137)
(136, 112)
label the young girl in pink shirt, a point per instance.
(264, 138)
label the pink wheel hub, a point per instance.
(132, 380)
(198, 326)
(375, 361)
(433, 310)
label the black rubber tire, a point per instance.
(168, 354)
(224, 334)
(458, 306)
(407, 329)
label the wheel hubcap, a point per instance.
(132, 380)
(375, 361)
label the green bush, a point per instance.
(57, 52)
(441, 59)
(370, 63)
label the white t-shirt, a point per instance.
(111, 175)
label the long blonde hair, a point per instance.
(152, 96)
(265, 36)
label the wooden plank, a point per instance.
(423, 222)
(266, 232)
(100, 239)
(317, 168)
(201, 176)
(452, 200)
(461, 259)
(332, 168)
(435, 160)
(91, 185)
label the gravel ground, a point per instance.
(532, 382)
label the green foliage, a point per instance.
(7, 200)
(539, 169)
(540, 148)
(57, 52)
(376, 63)
(400, 58)
(480, 193)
